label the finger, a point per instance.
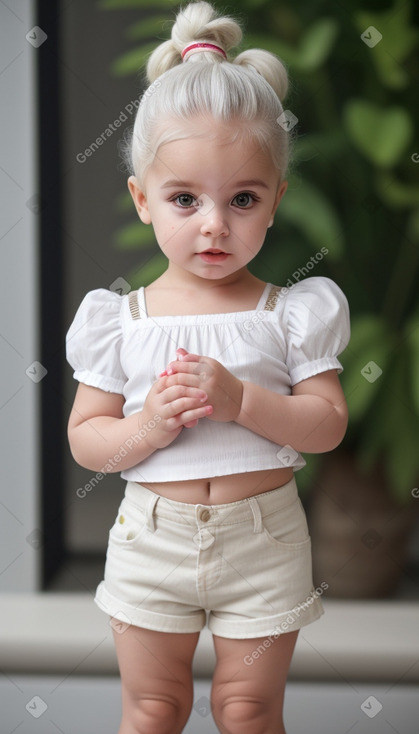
(181, 404)
(193, 414)
(184, 356)
(188, 417)
(179, 379)
(181, 384)
(191, 424)
(181, 353)
(187, 366)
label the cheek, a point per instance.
(256, 229)
(170, 235)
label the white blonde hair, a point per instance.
(246, 90)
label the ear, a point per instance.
(139, 199)
(280, 193)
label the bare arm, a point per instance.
(312, 420)
(100, 436)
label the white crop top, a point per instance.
(292, 334)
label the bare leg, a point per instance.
(156, 677)
(248, 690)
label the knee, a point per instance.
(153, 716)
(243, 716)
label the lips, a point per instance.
(212, 255)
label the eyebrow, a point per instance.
(239, 184)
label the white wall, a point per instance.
(19, 394)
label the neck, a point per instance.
(178, 278)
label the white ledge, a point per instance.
(50, 633)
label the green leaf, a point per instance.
(402, 457)
(396, 193)
(119, 4)
(271, 43)
(308, 209)
(390, 428)
(148, 272)
(399, 37)
(327, 145)
(312, 51)
(373, 436)
(135, 236)
(252, 4)
(403, 430)
(123, 4)
(381, 134)
(148, 27)
(413, 226)
(365, 361)
(412, 336)
(133, 61)
(316, 45)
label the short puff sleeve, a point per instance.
(317, 326)
(94, 339)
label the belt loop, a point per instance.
(150, 521)
(257, 517)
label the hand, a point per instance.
(224, 391)
(180, 401)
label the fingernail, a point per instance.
(170, 371)
(163, 374)
(204, 398)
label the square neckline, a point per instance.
(259, 306)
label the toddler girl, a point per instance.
(204, 387)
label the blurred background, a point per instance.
(71, 76)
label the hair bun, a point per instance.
(269, 66)
(196, 23)
(199, 22)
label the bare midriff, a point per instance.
(219, 490)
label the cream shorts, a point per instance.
(247, 564)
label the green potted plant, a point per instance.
(353, 196)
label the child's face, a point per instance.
(207, 193)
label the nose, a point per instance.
(214, 221)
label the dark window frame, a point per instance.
(49, 133)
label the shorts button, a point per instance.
(205, 515)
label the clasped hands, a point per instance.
(223, 390)
(190, 388)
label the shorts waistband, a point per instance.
(230, 513)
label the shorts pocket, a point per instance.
(129, 525)
(287, 527)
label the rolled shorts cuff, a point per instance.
(272, 626)
(144, 617)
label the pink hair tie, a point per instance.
(202, 47)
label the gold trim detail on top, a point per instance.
(270, 303)
(272, 298)
(134, 306)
